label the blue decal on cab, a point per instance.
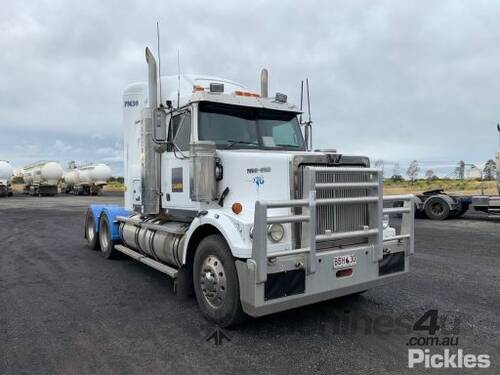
(258, 181)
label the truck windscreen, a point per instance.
(235, 127)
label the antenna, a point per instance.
(178, 78)
(159, 55)
(301, 99)
(498, 128)
(308, 124)
(308, 100)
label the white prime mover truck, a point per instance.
(224, 195)
(87, 179)
(6, 173)
(42, 178)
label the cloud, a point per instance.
(391, 80)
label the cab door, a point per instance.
(175, 163)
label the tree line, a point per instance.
(488, 172)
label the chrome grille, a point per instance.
(337, 218)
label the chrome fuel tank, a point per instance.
(156, 238)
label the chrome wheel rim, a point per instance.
(213, 282)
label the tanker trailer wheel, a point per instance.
(437, 209)
(105, 241)
(216, 282)
(90, 232)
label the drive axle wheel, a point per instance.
(90, 232)
(216, 282)
(437, 209)
(105, 241)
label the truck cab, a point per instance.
(224, 195)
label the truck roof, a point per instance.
(196, 87)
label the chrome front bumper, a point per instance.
(320, 279)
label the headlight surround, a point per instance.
(385, 222)
(275, 232)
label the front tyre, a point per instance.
(216, 282)
(106, 243)
(90, 232)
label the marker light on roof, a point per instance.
(198, 88)
(246, 93)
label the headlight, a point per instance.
(275, 232)
(385, 222)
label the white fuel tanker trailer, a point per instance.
(86, 179)
(6, 173)
(224, 195)
(42, 178)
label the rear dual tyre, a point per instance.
(436, 208)
(100, 239)
(90, 231)
(106, 243)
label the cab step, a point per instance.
(170, 271)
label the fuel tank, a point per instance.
(156, 238)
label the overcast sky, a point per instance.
(393, 80)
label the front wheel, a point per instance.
(216, 282)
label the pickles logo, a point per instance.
(421, 354)
(448, 359)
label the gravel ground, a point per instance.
(64, 309)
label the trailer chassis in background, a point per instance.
(40, 190)
(439, 205)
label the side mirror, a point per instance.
(161, 123)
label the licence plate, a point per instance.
(344, 261)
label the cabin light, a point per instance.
(246, 93)
(237, 208)
(216, 87)
(280, 98)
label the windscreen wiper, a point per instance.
(282, 145)
(232, 143)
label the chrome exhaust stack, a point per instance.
(150, 165)
(264, 83)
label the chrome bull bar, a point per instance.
(373, 231)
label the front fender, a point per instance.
(232, 232)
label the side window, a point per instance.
(181, 129)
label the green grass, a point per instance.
(449, 185)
